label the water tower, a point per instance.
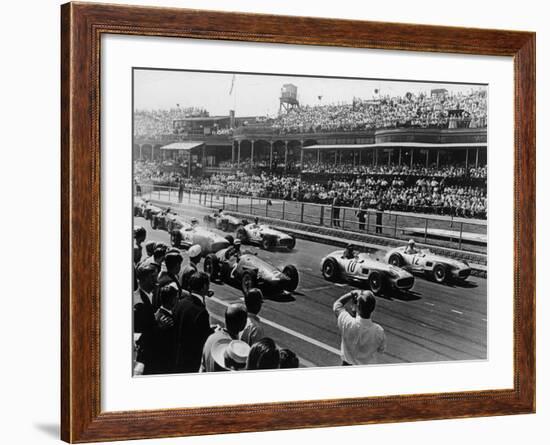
(289, 98)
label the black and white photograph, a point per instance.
(284, 221)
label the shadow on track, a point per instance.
(461, 284)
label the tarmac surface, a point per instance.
(432, 322)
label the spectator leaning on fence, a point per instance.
(362, 339)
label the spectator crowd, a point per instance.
(172, 323)
(420, 110)
(412, 110)
(408, 190)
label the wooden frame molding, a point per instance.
(81, 28)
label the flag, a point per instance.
(232, 84)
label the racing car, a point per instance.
(251, 271)
(167, 220)
(227, 223)
(425, 262)
(363, 269)
(264, 236)
(139, 206)
(190, 234)
(148, 210)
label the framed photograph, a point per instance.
(275, 222)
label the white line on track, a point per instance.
(289, 331)
(429, 304)
(457, 312)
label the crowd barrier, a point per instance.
(457, 233)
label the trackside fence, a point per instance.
(457, 233)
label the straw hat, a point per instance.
(230, 354)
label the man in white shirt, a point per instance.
(362, 339)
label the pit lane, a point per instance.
(433, 322)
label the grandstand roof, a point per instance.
(202, 118)
(186, 146)
(395, 145)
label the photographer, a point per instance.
(362, 339)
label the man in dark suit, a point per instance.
(163, 344)
(146, 323)
(172, 260)
(192, 324)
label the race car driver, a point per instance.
(233, 255)
(411, 248)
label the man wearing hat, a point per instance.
(194, 254)
(235, 321)
(362, 339)
(230, 355)
(172, 260)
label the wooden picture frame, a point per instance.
(82, 26)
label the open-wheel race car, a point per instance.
(227, 223)
(145, 209)
(429, 264)
(190, 234)
(362, 269)
(139, 206)
(264, 236)
(251, 271)
(168, 220)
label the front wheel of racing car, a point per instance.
(440, 273)
(376, 282)
(211, 266)
(268, 243)
(330, 269)
(291, 272)
(175, 239)
(396, 260)
(224, 226)
(154, 223)
(241, 234)
(248, 281)
(292, 244)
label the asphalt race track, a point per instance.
(432, 322)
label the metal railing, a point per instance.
(433, 229)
